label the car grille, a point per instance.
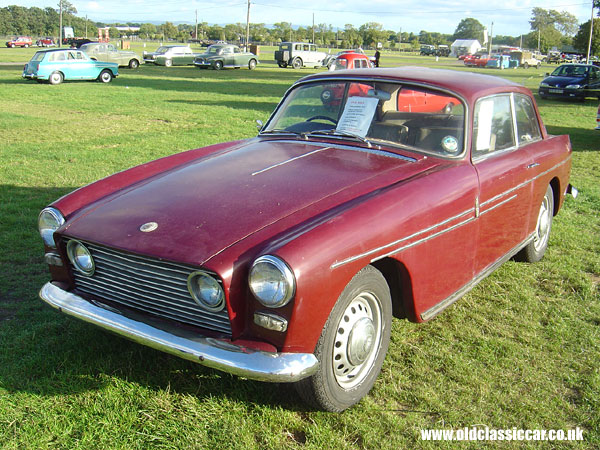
(147, 284)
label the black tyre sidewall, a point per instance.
(322, 389)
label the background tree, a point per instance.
(564, 22)
(147, 30)
(114, 33)
(372, 33)
(469, 28)
(168, 30)
(581, 39)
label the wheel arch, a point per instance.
(399, 281)
(556, 190)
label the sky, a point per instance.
(509, 17)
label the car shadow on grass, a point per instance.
(47, 353)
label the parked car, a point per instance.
(501, 62)
(576, 81)
(171, 55)
(598, 119)
(351, 60)
(427, 50)
(103, 51)
(477, 60)
(298, 55)
(284, 257)
(58, 65)
(21, 41)
(45, 42)
(76, 42)
(218, 56)
(526, 59)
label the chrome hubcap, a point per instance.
(357, 337)
(543, 225)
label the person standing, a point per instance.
(377, 56)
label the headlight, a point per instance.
(49, 220)
(272, 281)
(574, 86)
(206, 291)
(542, 84)
(81, 258)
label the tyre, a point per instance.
(283, 65)
(168, 63)
(538, 65)
(526, 65)
(134, 64)
(252, 64)
(352, 345)
(26, 45)
(105, 76)
(55, 78)
(218, 65)
(534, 251)
(297, 63)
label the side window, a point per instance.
(298, 47)
(528, 128)
(493, 125)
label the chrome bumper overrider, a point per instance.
(214, 353)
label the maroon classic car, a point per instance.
(284, 257)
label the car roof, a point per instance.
(468, 85)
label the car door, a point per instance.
(112, 54)
(503, 166)
(227, 54)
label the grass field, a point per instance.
(521, 350)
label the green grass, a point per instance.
(521, 350)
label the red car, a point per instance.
(284, 257)
(351, 61)
(477, 60)
(21, 41)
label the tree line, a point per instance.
(549, 29)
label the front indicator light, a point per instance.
(81, 258)
(270, 321)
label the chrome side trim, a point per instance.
(478, 211)
(439, 307)
(210, 352)
(370, 252)
(425, 239)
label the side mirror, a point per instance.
(547, 74)
(259, 125)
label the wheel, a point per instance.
(105, 76)
(168, 63)
(134, 64)
(329, 119)
(534, 251)
(218, 65)
(12, 45)
(538, 65)
(55, 78)
(297, 63)
(283, 65)
(526, 65)
(252, 64)
(352, 345)
(26, 45)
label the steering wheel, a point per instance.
(329, 119)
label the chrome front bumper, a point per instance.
(214, 353)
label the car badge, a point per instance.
(148, 227)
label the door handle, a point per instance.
(532, 165)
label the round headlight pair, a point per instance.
(272, 281)
(49, 220)
(206, 291)
(81, 258)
